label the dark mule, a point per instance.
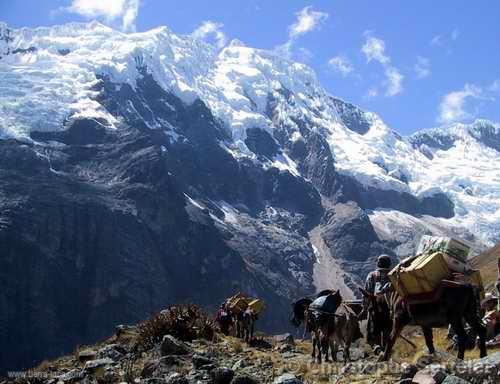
(454, 303)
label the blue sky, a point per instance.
(418, 64)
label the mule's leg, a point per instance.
(396, 331)
(347, 353)
(458, 327)
(429, 339)
(334, 347)
(326, 347)
(480, 329)
(314, 341)
(252, 329)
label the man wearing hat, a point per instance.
(375, 281)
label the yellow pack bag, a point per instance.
(423, 275)
(256, 305)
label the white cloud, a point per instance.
(110, 10)
(374, 49)
(307, 21)
(393, 82)
(453, 106)
(372, 92)
(437, 40)
(495, 86)
(341, 64)
(422, 67)
(445, 39)
(211, 29)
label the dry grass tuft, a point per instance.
(185, 322)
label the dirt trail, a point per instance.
(327, 273)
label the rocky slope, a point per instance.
(137, 170)
(218, 359)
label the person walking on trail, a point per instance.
(375, 281)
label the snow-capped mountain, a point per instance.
(130, 161)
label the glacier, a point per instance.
(48, 76)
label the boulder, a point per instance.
(285, 338)
(451, 379)
(408, 371)
(158, 367)
(480, 371)
(239, 364)
(200, 361)
(112, 351)
(433, 374)
(93, 365)
(287, 378)
(222, 375)
(86, 355)
(171, 346)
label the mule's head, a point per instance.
(299, 309)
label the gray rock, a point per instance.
(171, 346)
(480, 371)
(239, 364)
(408, 371)
(286, 338)
(451, 379)
(112, 351)
(287, 378)
(176, 378)
(158, 367)
(199, 361)
(86, 355)
(92, 365)
(221, 375)
(430, 375)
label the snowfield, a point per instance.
(48, 75)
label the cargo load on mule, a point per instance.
(438, 260)
(327, 304)
(454, 251)
(240, 303)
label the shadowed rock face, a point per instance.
(353, 117)
(98, 230)
(100, 226)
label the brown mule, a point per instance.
(456, 302)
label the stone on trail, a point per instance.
(451, 379)
(93, 365)
(285, 338)
(222, 375)
(199, 361)
(287, 378)
(430, 375)
(171, 346)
